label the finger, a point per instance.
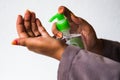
(55, 31)
(69, 15)
(33, 24)
(41, 29)
(27, 23)
(27, 42)
(20, 27)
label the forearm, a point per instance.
(59, 53)
(58, 48)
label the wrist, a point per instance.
(59, 49)
(98, 48)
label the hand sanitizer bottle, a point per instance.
(63, 26)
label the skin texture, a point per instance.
(33, 35)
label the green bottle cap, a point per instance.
(62, 23)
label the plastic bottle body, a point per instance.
(72, 39)
(76, 40)
(63, 26)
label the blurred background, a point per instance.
(18, 63)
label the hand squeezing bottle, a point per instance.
(63, 26)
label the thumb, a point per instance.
(56, 32)
(20, 41)
(69, 14)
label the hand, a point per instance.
(79, 25)
(34, 36)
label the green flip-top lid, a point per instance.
(62, 23)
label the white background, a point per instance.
(17, 63)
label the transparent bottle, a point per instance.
(63, 26)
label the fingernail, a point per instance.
(15, 42)
(61, 10)
(59, 35)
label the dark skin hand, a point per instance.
(33, 35)
(80, 26)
